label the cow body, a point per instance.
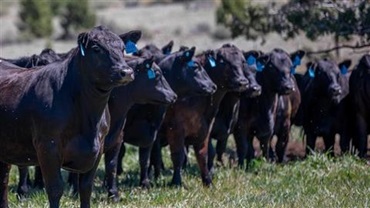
(53, 116)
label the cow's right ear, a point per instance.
(297, 56)
(167, 49)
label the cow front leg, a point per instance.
(39, 181)
(121, 154)
(4, 178)
(201, 153)
(111, 157)
(24, 182)
(86, 182)
(144, 155)
(50, 164)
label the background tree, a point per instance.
(36, 18)
(314, 18)
(76, 15)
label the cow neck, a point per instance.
(121, 99)
(91, 100)
(268, 97)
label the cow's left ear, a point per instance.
(167, 49)
(344, 66)
(296, 57)
(130, 39)
(251, 56)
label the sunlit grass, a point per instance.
(318, 181)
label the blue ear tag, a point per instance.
(212, 61)
(191, 63)
(292, 70)
(251, 60)
(82, 50)
(296, 61)
(343, 70)
(311, 72)
(130, 47)
(151, 74)
(260, 66)
(187, 54)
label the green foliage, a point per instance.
(36, 17)
(318, 181)
(314, 18)
(76, 15)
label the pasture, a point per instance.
(317, 181)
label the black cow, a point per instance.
(143, 121)
(358, 109)
(324, 87)
(190, 120)
(257, 116)
(53, 116)
(227, 115)
(184, 77)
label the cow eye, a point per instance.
(96, 48)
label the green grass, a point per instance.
(319, 181)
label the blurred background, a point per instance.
(337, 29)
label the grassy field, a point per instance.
(318, 181)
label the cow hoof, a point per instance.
(146, 184)
(114, 197)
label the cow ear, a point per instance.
(251, 57)
(149, 62)
(261, 62)
(167, 49)
(344, 66)
(82, 38)
(296, 57)
(130, 39)
(311, 69)
(188, 54)
(133, 36)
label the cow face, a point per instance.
(101, 55)
(186, 75)
(227, 65)
(250, 71)
(278, 67)
(149, 85)
(327, 78)
(152, 50)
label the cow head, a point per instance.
(327, 78)
(278, 69)
(149, 85)
(101, 58)
(48, 56)
(225, 66)
(250, 70)
(152, 50)
(185, 74)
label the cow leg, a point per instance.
(4, 178)
(211, 155)
(177, 148)
(282, 141)
(73, 181)
(50, 165)
(221, 149)
(111, 172)
(121, 154)
(39, 181)
(144, 155)
(310, 142)
(201, 153)
(329, 141)
(24, 182)
(361, 136)
(241, 142)
(85, 185)
(156, 158)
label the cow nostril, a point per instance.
(214, 87)
(123, 73)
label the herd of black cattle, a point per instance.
(64, 110)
